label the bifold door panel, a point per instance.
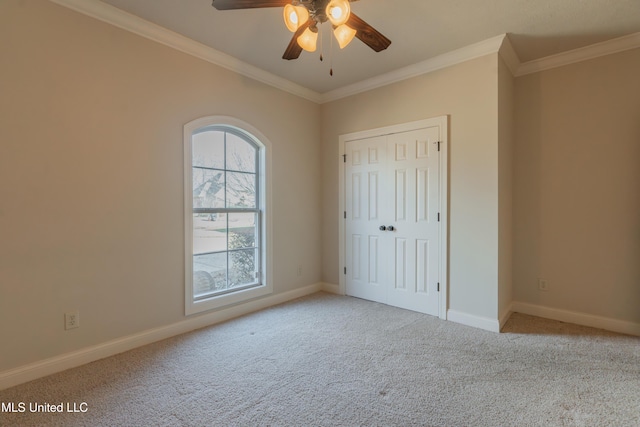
(392, 229)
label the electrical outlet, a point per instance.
(543, 285)
(72, 320)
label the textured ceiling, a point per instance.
(419, 30)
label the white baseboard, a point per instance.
(60, 363)
(505, 315)
(606, 323)
(492, 325)
(331, 288)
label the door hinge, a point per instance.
(344, 158)
(438, 216)
(345, 270)
(345, 214)
(438, 286)
(439, 142)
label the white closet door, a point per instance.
(414, 166)
(392, 225)
(367, 187)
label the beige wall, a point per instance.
(506, 142)
(91, 176)
(468, 94)
(577, 187)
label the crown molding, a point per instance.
(119, 18)
(445, 60)
(631, 41)
(509, 55)
(501, 44)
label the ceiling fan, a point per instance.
(302, 17)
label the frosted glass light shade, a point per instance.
(338, 11)
(344, 34)
(308, 40)
(295, 16)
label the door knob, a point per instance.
(391, 228)
(382, 228)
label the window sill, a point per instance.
(219, 301)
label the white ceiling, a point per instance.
(419, 30)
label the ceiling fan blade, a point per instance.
(294, 50)
(369, 35)
(247, 4)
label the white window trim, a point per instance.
(264, 177)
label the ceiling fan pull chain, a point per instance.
(321, 43)
(331, 59)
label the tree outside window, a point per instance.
(226, 215)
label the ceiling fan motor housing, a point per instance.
(317, 9)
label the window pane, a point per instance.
(208, 188)
(242, 267)
(241, 156)
(241, 190)
(209, 273)
(209, 233)
(207, 149)
(225, 232)
(242, 230)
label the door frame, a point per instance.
(443, 268)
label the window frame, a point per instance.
(263, 203)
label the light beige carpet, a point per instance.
(327, 360)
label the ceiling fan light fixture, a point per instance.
(344, 34)
(338, 11)
(308, 40)
(295, 16)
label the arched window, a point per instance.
(225, 213)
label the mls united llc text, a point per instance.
(44, 407)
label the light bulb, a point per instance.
(308, 40)
(338, 11)
(344, 34)
(295, 16)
